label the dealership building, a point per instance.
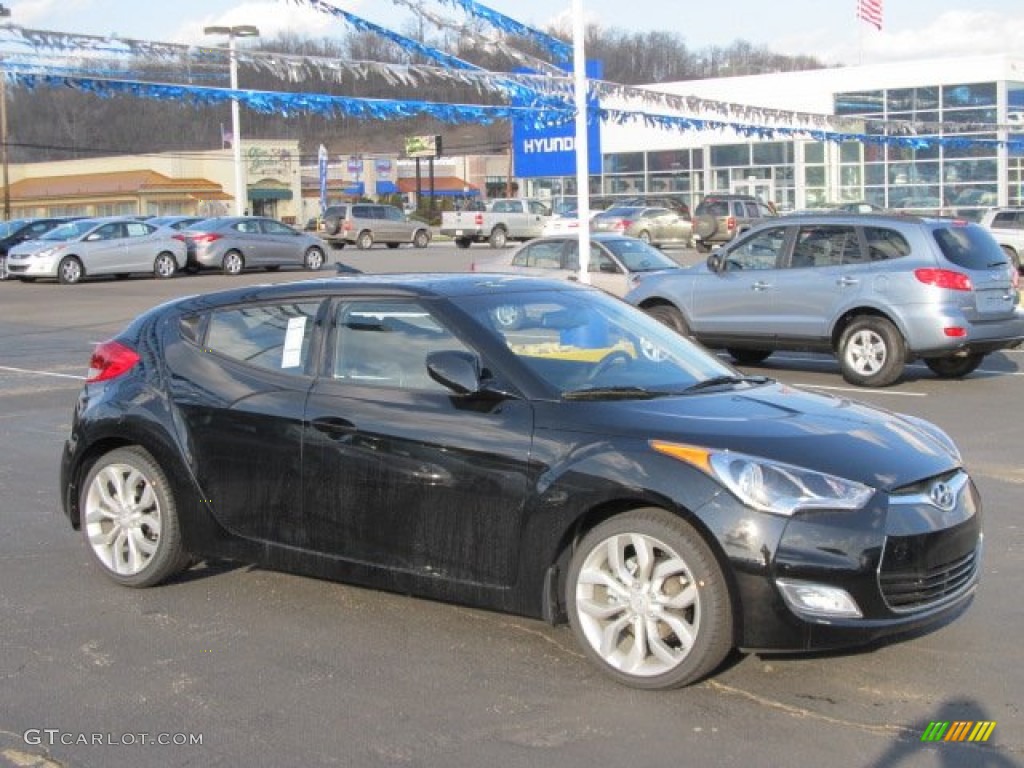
(965, 118)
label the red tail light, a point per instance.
(347, 226)
(623, 224)
(206, 237)
(178, 236)
(478, 220)
(730, 223)
(109, 360)
(944, 278)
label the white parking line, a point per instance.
(41, 373)
(858, 390)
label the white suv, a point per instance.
(1007, 227)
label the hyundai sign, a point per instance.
(551, 150)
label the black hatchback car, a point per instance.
(588, 465)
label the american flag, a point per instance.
(871, 12)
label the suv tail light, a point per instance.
(109, 360)
(478, 220)
(347, 226)
(623, 224)
(730, 223)
(944, 278)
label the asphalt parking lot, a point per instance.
(264, 668)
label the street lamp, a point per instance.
(242, 30)
(4, 12)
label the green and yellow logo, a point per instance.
(958, 730)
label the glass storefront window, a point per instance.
(850, 152)
(773, 153)
(730, 154)
(969, 95)
(814, 176)
(859, 103)
(969, 120)
(814, 152)
(956, 150)
(624, 162)
(672, 160)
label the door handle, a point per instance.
(761, 285)
(847, 281)
(334, 427)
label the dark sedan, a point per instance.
(588, 465)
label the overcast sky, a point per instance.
(827, 29)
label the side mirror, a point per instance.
(715, 262)
(458, 371)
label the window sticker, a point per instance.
(291, 355)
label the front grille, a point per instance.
(917, 589)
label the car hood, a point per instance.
(34, 246)
(829, 434)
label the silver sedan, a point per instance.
(103, 246)
(233, 243)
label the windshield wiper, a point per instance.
(611, 393)
(726, 381)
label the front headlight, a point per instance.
(770, 486)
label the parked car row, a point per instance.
(70, 250)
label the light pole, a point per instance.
(4, 12)
(242, 30)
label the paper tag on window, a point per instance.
(291, 356)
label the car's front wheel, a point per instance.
(749, 356)
(668, 315)
(364, 241)
(954, 367)
(70, 271)
(648, 601)
(130, 520)
(421, 239)
(872, 352)
(314, 259)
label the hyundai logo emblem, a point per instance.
(942, 496)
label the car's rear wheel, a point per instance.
(364, 241)
(954, 367)
(70, 270)
(701, 247)
(463, 242)
(314, 259)
(498, 238)
(233, 263)
(164, 266)
(648, 602)
(645, 236)
(392, 246)
(421, 239)
(872, 352)
(191, 269)
(749, 356)
(130, 520)
(668, 315)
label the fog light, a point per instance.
(805, 597)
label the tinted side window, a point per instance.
(393, 214)
(273, 337)
(386, 343)
(362, 211)
(760, 251)
(825, 246)
(969, 247)
(885, 244)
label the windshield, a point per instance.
(638, 256)
(10, 227)
(69, 231)
(586, 341)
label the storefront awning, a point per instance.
(267, 193)
(387, 188)
(355, 188)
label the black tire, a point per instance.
(682, 569)
(191, 269)
(705, 226)
(463, 242)
(645, 236)
(136, 540)
(233, 263)
(872, 353)
(954, 367)
(272, 267)
(164, 266)
(332, 226)
(392, 246)
(749, 356)
(498, 238)
(421, 239)
(313, 259)
(1013, 256)
(365, 240)
(70, 271)
(702, 247)
(668, 315)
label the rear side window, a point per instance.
(826, 246)
(1008, 220)
(969, 247)
(884, 244)
(545, 255)
(364, 212)
(274, 337)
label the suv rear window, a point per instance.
(969, 247)
(1008, 220)
(714, 207)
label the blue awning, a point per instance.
(356, 188)
(387, 188)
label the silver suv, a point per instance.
(367, 223)
(875, 290)
(720, 218)
(1007, 227)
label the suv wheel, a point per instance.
(872, 352)
(365, 240)
(705, 226)
(498, 238)
(702, 247)
(421, 239)
(954, 367)
(668, 315)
